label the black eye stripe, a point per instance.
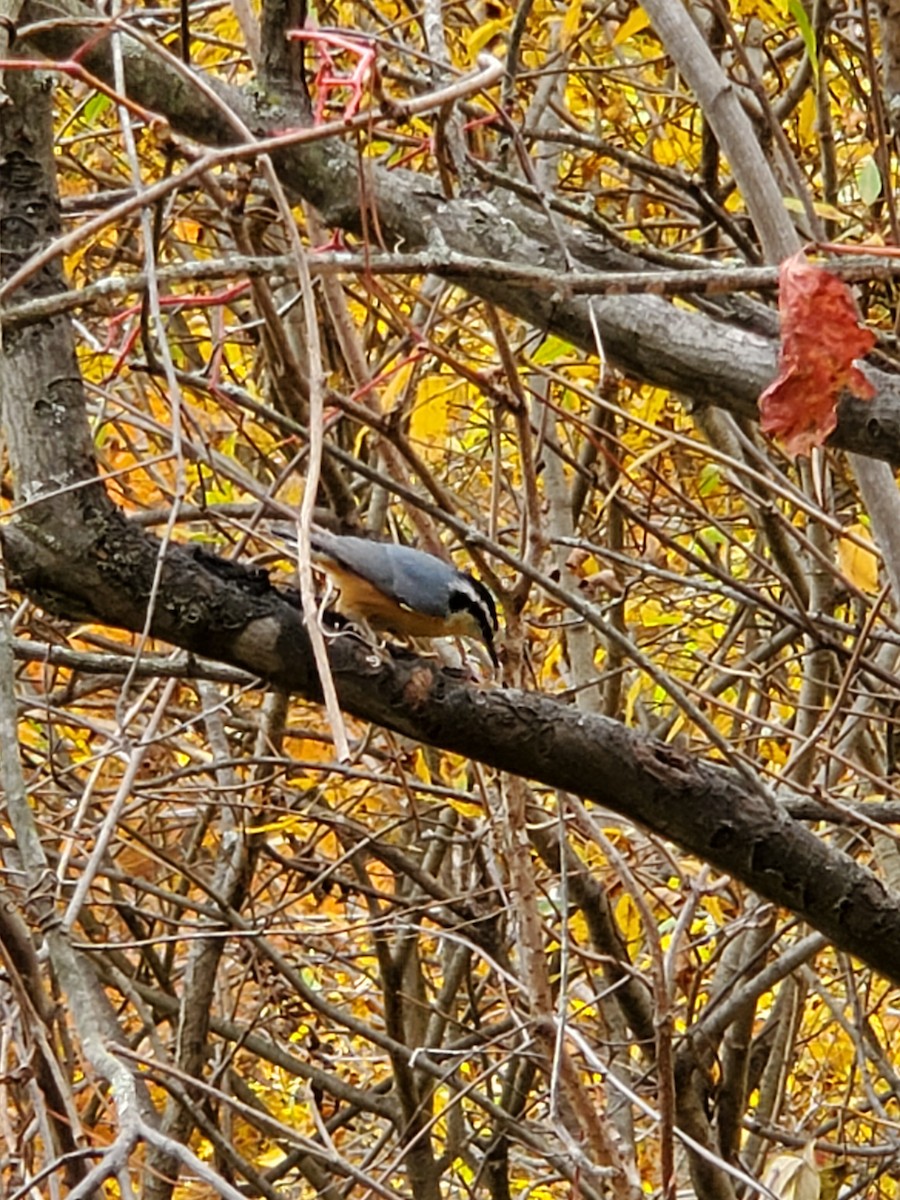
(470, 594)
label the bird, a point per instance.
(404, 591)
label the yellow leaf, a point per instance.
(807, 116)
(393, 390)
(675, 729)
(482, 37)
(550, 662)
(288, 822)
(421, 767)
(828, 212)
(856, 562)
(628, 919)
(631, 699)
(271, 1157)
(634, 24)
(430, 414)
(571, 22)
(470, 809)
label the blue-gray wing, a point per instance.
(416, 579)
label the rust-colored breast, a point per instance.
(362, 600)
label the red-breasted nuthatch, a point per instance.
(400, 590)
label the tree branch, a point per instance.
(709, 360)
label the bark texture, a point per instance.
(707, 355)
(72, 550)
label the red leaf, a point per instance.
(820, 338)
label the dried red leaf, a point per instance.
(820, 338)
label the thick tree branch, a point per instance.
(708, 360)
(704, 808)
(73, 551)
